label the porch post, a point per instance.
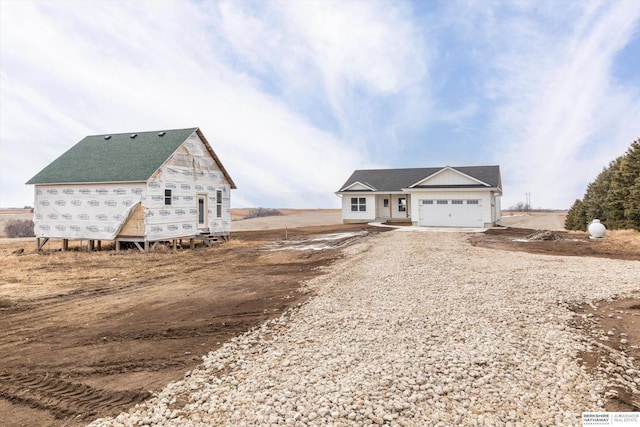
(406, 211)
(390, 206)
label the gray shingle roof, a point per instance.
(117, 158)
(384, 180)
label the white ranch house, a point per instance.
(467, 196)
(142, 187)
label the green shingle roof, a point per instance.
(113, 158)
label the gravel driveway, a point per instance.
(411, 329)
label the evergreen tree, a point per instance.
(621, 201)
(632, 207)
(632, 202)
(576, 217)
(614, 196)
(596, 197)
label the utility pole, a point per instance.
(527, 206)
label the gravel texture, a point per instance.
(412, 329)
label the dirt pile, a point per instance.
(543, 235)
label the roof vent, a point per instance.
(162, 134)
(107, 137)
(133, 135)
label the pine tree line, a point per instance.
(614, 197)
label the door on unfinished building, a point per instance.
(202, 211)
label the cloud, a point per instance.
(122, 66)
(350, 67)
(557, 105)
(295, 95)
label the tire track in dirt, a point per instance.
(64, 399)
(100, 329)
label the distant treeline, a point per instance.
(523, 207)
(614, 197)
(261, 212)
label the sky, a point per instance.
(295, 95)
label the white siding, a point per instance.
(393, 209)
(497, 209)
(368, 215)
(395, 206)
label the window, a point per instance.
(167, 197)
(219, 203)
(402, 204)
(201, 210)
(456, 202)
(427, 202)
(358, 204)
(443, 202)
(473, 202)
(386, 203)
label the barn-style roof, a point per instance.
(394, 180)
(123, 157)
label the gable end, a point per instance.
(449, 177)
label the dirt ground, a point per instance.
(84, 335)
(620, 316)
(619, 244)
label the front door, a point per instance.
(202, 211)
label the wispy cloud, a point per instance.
(295, 95)
(557, 106)
(347, 66)
(125, 66)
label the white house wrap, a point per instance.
(84, 211)
(148, 186)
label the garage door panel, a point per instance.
(450, 214)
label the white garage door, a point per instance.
(450, 213)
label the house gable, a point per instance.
(358, 186)
(193, 158)
(215, 158)
(449, 177)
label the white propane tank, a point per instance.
(596, 229)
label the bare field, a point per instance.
(536, 220)
(84, 335)
(291, 218)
